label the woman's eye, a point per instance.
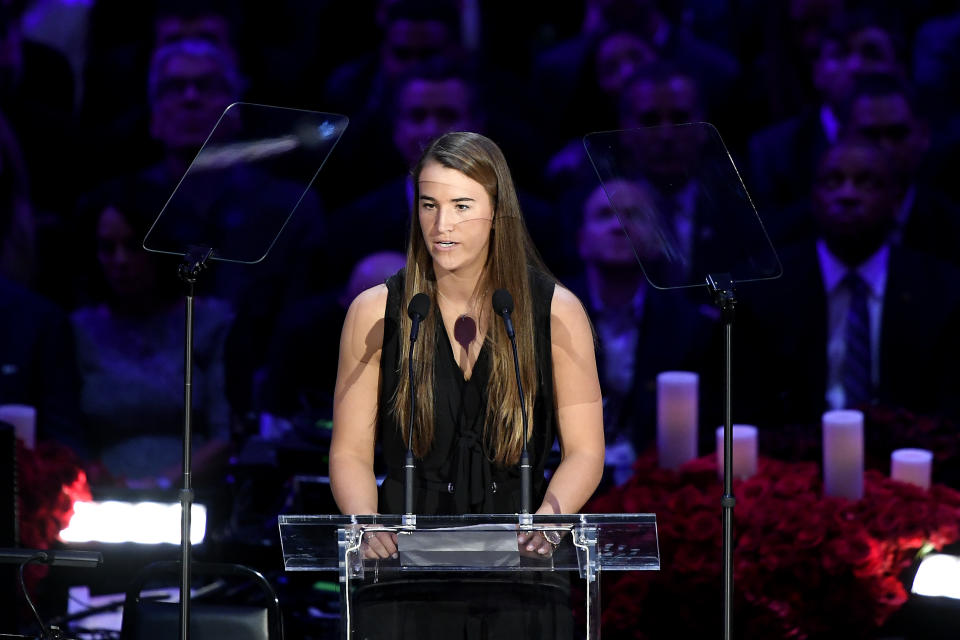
(427, 206)
(463, 207)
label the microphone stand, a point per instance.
(194, 263)
(525, 470)
(409, 519)
(418, 308)
(722, 292)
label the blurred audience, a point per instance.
(782, 156)
(641, 330)
(559, 70)
(846, 118)
(856, 319)
(130, 349)
(414, 32)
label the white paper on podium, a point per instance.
(474, 546)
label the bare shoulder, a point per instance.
(363, 326)
(566, 307)
(569, 324)
(371, 303)
(574, 361)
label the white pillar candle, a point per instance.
(24, 421)
(843, 454)
(744, 451)
(676, 418)
(912, 465)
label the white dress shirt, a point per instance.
(873, 271)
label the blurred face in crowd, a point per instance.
(665, 152)
(127, 267)
(888, 121)
(855, 200)
(869, 50)
(212, 28)
(610, 231)
(455, 215)
(618, 56)
(408, 43)
(426, 109)
(808, 22)
(192, 93)
(652, 103)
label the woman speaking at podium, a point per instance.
(467, 240)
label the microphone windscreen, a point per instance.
(502, 301)
(419, 306)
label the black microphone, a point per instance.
(418, 309)
(503, 306)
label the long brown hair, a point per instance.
(511, 254)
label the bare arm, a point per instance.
(579, 407)
(352, 480)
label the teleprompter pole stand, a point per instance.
(194, 262)
(723, 295)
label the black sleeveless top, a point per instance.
(456, 476)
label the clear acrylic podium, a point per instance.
(445, 545)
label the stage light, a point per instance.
(938, 575)
(140, 522)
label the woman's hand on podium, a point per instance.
(534, 544)
(379, 545)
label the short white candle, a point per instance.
(913, 466)
(676, 418)
(744, 451)
(843, 453)
(24, 420)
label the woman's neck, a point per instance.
(457, 289)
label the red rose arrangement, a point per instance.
(805, 565)
(50, 480)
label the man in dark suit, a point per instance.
(641, 330)
(884, 110)
(855, 320)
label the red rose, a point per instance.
(689, 559)
(888, 592)
(640, 500)
(792, 484)
(810, 529)
(864, 554)
(852, 549)
(700, 526)
(685, 500)
(945, 495)
(610, 502)
(756, 488)
(843, 512)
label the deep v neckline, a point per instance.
(453, 356)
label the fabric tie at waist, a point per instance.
(473, 476)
